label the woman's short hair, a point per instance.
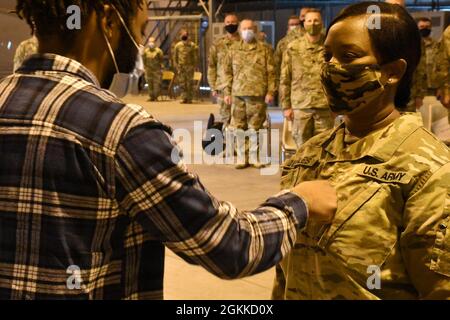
(397, 37)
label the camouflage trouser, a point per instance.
(248, 117)
(225, 109)
(185, 78)
(309, 123)
(153, 79)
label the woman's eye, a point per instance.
(327, 56)
(350, 56)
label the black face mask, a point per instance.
(425, 32)
(184, 38)
(231, 28)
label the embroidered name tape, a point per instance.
(381, 174)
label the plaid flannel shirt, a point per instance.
(89, 196)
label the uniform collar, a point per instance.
(251, 45)
(380, 145)
(319, 43)
(48, 62)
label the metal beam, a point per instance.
(164, 18)
(204, 7)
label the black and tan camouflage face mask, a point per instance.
(349, 87)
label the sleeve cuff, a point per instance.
(291, 202)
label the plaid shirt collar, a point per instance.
(48, 62)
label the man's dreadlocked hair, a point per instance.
(49, 17)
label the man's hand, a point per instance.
(215, 94)
(289, 114)
(321, 199)
(269, 99)
(227, 100)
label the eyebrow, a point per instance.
(348, 46)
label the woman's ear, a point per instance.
(394, 71)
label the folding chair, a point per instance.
(288, 145)
(167, 82)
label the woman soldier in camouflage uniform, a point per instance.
(391, 235)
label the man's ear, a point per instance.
(394, 71)
(108, 20)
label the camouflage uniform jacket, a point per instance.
(443, 60)
(249, 70)
(425, 74)
(185, 55)
(393, 213)
(300, 84)
(24, 50)
(281, 48)
(217, 57)
(153, 59)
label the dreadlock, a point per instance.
(49, 17)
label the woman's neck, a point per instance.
(363, 123)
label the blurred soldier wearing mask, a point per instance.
(301, 94)
(185, 59)
(425, 82)
(443, 63)
(217, 55)
(250, 84)
(153, 61)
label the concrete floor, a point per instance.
(244, 188)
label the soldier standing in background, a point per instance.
(153, 62)
(24, 50)
(302, 97)
(217, 56)
(185, 60)
(294, 31)
(424, 83)
(443, 69)
(250, 84)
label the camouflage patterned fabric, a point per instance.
(443, 60)
(24, 50)
(308, 123)
(393, 215)
(300, 84)
(281, 49)
(185, 60)
(424, 79)
(443, 65)
(249, 70)
(153, 62)
(216, 77)
(248, 116)
(348, 87)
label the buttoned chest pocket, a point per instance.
(298, 64)
(365, 229)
